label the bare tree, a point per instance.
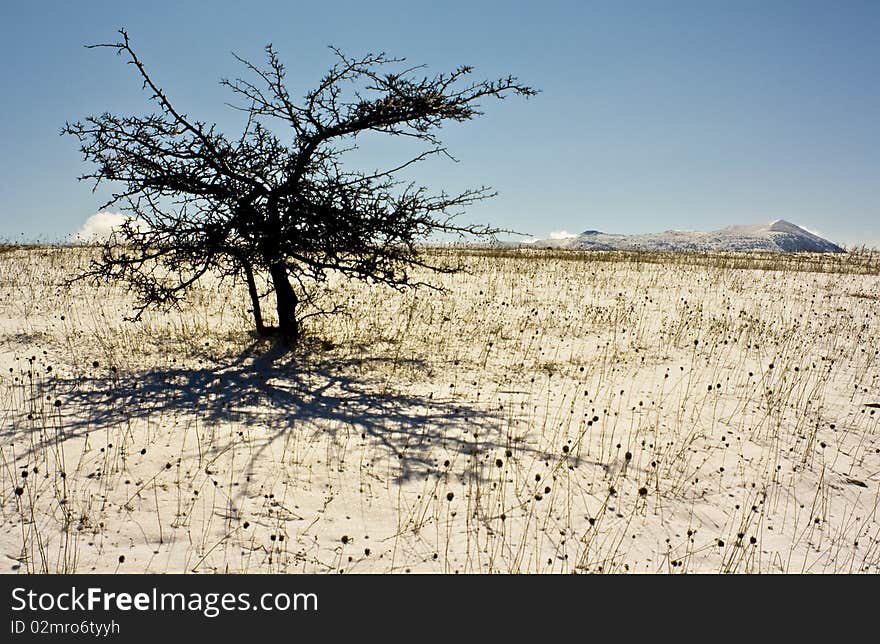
(282, 208)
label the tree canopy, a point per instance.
(283, 206)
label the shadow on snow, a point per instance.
(279, 392)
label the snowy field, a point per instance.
(551, 412)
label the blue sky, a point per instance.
(652, 115)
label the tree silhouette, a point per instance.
(284, 210)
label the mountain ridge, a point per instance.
(776, 236)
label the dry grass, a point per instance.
(553, 412)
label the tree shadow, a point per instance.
(279, 391)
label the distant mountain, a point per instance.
(778, 236)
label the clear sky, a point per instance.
(653, 115)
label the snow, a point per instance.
(775, 236)
(591, 413)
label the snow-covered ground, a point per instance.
(776, 236)
(552, 412)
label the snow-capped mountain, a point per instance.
(778, 236)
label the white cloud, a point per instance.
(562, 234)
(99, 227)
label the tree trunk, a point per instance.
(255, 299)
(286, 302)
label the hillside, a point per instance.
(777, 236)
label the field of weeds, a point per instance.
(549, 412)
